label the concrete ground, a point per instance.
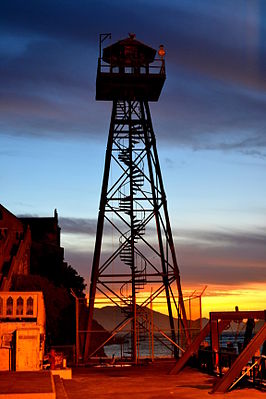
(26, 385)
(146, 382)
(150, 381)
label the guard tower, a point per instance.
(134, 258)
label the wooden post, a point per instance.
(77, 325)
(152, 328)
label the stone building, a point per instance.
(15, 245)
(46, 255)
(22, 330)
(28, 245)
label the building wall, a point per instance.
(22, 326)
(47, 256)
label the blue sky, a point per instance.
(209, 122)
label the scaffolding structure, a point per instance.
(134, 248)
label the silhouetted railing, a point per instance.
(156, 68)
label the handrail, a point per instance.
(135, 68)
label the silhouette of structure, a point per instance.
(15, 244)
(29, 245)
(134, 247)
(47, 255)
(215, 357)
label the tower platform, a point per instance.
(129, 84)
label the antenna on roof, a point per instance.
(103, 37)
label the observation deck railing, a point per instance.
(157, 67)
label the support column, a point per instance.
(99, 232)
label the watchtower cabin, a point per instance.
(128, 70)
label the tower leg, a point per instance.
(99, 234)
(150, 141)
(168, 229)
(132, 242)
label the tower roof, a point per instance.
(129, 51)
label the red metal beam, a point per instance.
(239, 315)
(224, 383)
(194, 346)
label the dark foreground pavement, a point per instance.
(26, 385)
(150, 381)
(146, 382)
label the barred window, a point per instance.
(19, 310)
(9, 306)
(29, 310)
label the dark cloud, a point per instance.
(85, 226)
(223, 274)
(213, 97)
(222, 257)
(254, 146)
(45, 92)
(78, 225)
(255, 238)
(60, 19)
(211, 115)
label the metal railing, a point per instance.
(156, 68)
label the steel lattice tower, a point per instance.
(133, 201)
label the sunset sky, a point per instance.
(210, 124)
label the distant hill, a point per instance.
(110, 316)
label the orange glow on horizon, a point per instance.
(246, 297)
(215, 298)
